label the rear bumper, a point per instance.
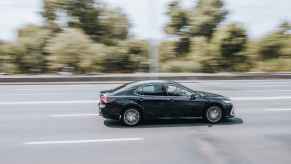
(107, 113)
(110, 116)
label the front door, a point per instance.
(181, 104)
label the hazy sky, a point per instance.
(148, 18)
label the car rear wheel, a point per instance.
(213, 114)
(131, 117)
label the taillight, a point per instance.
(104, 99)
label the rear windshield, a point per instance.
(122, 87)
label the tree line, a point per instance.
(204, 42)
(86, 36)
(89, 36)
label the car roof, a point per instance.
(135, 84)
(151, 81)
(144, 82)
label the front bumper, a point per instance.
(229, 110)
(232, 112)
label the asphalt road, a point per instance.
(58, 124)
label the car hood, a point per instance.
(212, 95)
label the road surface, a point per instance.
(58, 124)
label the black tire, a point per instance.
(213, 114)
(131, 117)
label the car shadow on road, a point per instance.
(160, 123)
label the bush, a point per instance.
(273, 65)
(229, 46)
(73, 48)
(128, 56)
(181, 66)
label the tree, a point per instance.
(73, 48)
(101, 29)
(228, 48)
(285, 29)
(201, 53)
(31, 56)
(129, 56)
(178, 26)
(206, 17)
(276, 44)
(114, 25)
(167, 51)
(179, 18)
(103, 24)
(49, 13)
(273, 52)
(270, 47)
(8, 52)
(201, 21)
(85, 15)
(49, 10)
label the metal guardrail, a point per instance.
(145, 76)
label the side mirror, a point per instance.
(194, 96)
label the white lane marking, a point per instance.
(269, 82)
(272, 90)
(83, 141)
(73, 115)
(264, 85)
(278, 109)
(261, 98)
(49, 102)
(97, 101)
(23, 94)
(19, 94)
(249, 81)
(23, 89)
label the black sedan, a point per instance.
(133, 102)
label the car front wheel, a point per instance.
(131, 117)
(213, 114)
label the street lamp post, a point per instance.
(153, 40)
(154, 55)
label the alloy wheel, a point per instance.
(131, 117)
(214, 114)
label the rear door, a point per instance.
(152, 98)
(180, 102)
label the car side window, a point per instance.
(150, 90)
(173, 90)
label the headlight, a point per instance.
(227, 101)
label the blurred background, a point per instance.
(127, 36)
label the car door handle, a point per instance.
(170, 99)
(140, 99)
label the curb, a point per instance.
(134, 77)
